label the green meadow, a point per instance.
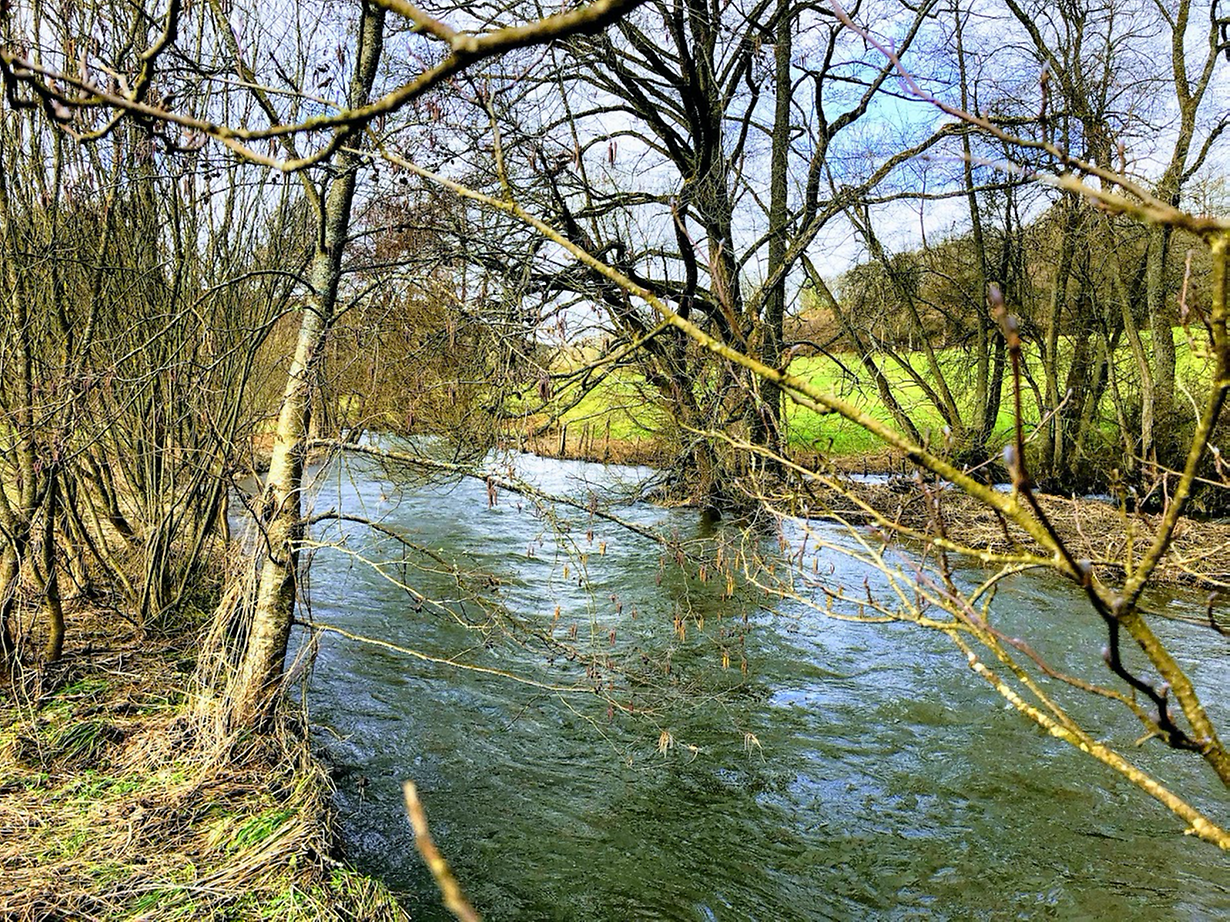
(634, 411)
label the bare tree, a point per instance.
(1170, 708)
(702, 164)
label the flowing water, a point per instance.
(853, 771)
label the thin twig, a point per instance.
(454, 900)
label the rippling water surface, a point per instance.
(854, 772)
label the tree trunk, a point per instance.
(260, 672)
(17, 513)
(981, 416)
(1052, 435)
(52, 606)
(1167, 449)
(1143, 450)
(8, 600)
(766, 430)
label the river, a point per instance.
(852, 771)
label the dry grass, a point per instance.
(1096, 531)
(600, 450)
(120, 799)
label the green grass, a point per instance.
(627, 401)
(90, 688)
(623, 399)
(91, 786)
(257, 829)
(83, 742)
(140, 813)
(835, 435)
(635, 412)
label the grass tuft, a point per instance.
(116, 803)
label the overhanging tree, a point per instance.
(701, 150)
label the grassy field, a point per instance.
(633, 410)
(626, 402)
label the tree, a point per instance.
(153, 295)
(927, 594)
(703, 331)
(651, 153)
(1101, 91)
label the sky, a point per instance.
(312, 43)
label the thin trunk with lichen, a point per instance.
(260, 671)
(18, 502)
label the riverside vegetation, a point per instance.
(120, 798)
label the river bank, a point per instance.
(121, 798)
(1092, 528)
(585, 443)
